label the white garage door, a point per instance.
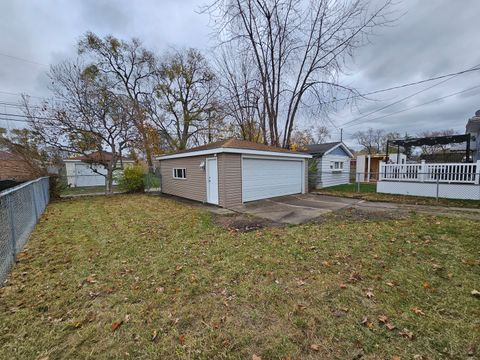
(85, 176)
(262, 178)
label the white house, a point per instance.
(473, 128)
(333, 163)
(87, 170)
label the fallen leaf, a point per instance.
(160, 290)
(181, 339)
(369, 294)
(315, 347)
(343, 286)
(178, 268)
(395, 357)
(471, 350)
(301, 282)
(301, 307)
(406, 333)
(382, 319)
(326, 264)
(116, 325)
(475, 293)
(256, 357)
(390, 326)
(426, 285)
(418, 311)
(127, 318)
(390, 284)
(367, 323)
(154, 335)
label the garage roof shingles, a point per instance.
(236, 144)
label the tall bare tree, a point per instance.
(241, 96)
(132, 68)
(85, 116)
(184, 105)
(298, 48)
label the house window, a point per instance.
(179, 173)
(336, 165)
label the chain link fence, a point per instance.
(20, 209)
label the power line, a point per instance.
(402, 99)
(475, 68)
(22, 59)
(423, 104)
(25, 116)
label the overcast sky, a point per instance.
(432, 38)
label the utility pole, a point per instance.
(341, 135)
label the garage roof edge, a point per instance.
(234, 151)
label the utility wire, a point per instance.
(22, 59)
(25, 116)
(402, 99)
(476, 68)
(423, 104)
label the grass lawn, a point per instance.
(86, 190)
(144, 277)
(368, 191)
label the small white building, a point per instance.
(333, 163)
(473, 128)
(87, 170)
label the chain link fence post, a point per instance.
(12, 225)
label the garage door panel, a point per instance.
(264, 178)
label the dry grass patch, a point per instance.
(143, 277)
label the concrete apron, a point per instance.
(294, 209)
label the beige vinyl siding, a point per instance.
(230, 180)
(305, 170)
(326, 177)
(193, 187)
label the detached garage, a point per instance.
(231, 172)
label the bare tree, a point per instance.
(132, 69)
(86, 116)
(371, 140)
(298, 49)
(439, 148)
(241, 96)
(184, 106)
(321, 134)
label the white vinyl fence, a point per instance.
(451, 180)
(20, 209)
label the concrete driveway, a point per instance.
(296, 209)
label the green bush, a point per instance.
(151, 181)
(132, 179)
(58, 184)
(312, 174)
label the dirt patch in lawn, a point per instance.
(243, 223)
(353, 214)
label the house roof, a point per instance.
(97, 156)
(322, 149)
(8, 156)
(234, 146)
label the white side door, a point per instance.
(212, 181)
(265, 178)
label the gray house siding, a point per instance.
(326, 176)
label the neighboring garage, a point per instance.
(90, 170)
(231, 172)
